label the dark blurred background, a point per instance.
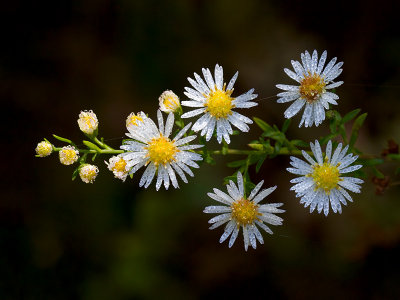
(69, 240)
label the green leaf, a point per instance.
(342, 131)
(91, 146)
(232, 177)
(286, 125)
(325, 139)
(371, 162)
(94, 156)
(263, 125)
(224, 149)
(337, 117)
(256, 146)
(260, 162)
(351, 115)
(235, 132)
(75, 173)
(378, 173)
(300, 143)
(397, 172)
(356, 127)
(394, 156)
(332, 125)
(63, 139)
(209, 160)
(237, 163)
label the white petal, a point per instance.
(192, 103)
(334, 85)
(160, 121)
(294, 108)
(219, 76)
(228, 230)
(232, 81)
(217, 209)
(245, 237)
(264, 193)
(240, 184)
(233, 236)
(256, 189)
(351, 169)
(208, 77)
(263, 226)
(292, 75)
(321, 62)
(193, 113)
(286, 87)
(169, 124)
(328, 151)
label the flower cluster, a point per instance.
(167, 154)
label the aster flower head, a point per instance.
(153, 148)
(119, 167)
(68, 155)
(315, 81)
(321, 180)
(88, 173)
(88, 122)
(133, 119)
(44, 149)
(169, 102)
(239, 211)
(213, 98)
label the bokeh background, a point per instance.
(111, 240)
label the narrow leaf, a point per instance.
(286, 125)
(63, 139)
(351, 115)
(263, 125)
(356, 127)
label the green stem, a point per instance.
(102, 151)
(101, 144)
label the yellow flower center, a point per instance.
(326, 176)
(88, 173)
(68, 156)
(44, 149)
(133, 119)
(88, 122)
(120, 165)
(311, 87)
(244, 211)
(171, 102)
(219, 103)
(161, 151)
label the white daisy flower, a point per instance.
(315, 81)
(213, 99)
(153, 148)
(321, 181)
(240, 211)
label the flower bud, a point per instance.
(132, 119)
(88, 173)
(44, 149)
(169, 102)
(118, 166)
(88, 122)
(68, 155)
